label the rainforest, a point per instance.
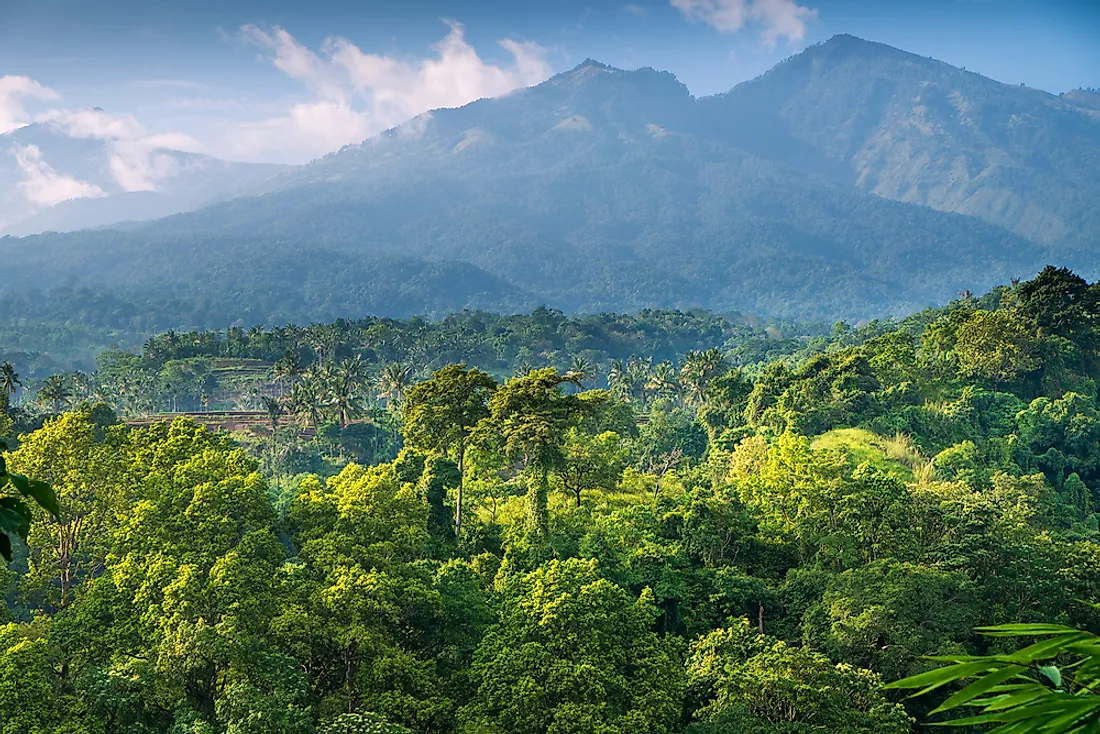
(665, 522)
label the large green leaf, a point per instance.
(40, 492)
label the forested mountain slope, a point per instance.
(603, 189)
(918, 130)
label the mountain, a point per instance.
(853, 181)
(917, 130)
(53, 181)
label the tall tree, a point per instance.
(441, 413)
(580, 370)
(393, 382)
(9, 379)
(55, 393)
(345, 386)
(529, 416)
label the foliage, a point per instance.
(698, 548)
(1045, 686)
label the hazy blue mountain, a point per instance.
(121, 180)
(824, 188)
(921, 131)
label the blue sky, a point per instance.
(287, 81)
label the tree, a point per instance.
(441, 413)
(9, 379)
(88, 478)
(54, 393)
(273, 408)
(288, 368)
(365, 723)
(886, 615)
(307, 398)
(698, 369)
(529, 416)
(996, 346)
(591, 462)
(573, 652)
(344, 384)
(1062, 303)
(393, 382)
(750, 683)
(666, 441)
(580, 370)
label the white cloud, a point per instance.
(359, 94)
(779, 18)
(136, 160)
(135, 167)
(43, 186)
(12, 91)
(141, 164)
(95, 124)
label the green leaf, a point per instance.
(40, 492)
(1025, 630)
(5, 547)
(933, 679)
(14, 516)
(983, 685)
(1052, 674)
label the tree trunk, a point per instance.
(458, 498)
(538, 510)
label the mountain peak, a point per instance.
(847, 44)
(591, 72)
(587, 71)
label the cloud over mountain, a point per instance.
(354, 94)
(778, 18)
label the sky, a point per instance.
(288, 81)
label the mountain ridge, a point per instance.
(826, 187)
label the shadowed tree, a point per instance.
(9, 379)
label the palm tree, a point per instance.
(324, 340)
(346, 381)
(392, 383)
(82, 385)
(306, 399)
(274, 409)
(55, 393)
(9, 379)
(618, 380)
(699, 369)
(288, 368)
(152, 349)
(580, 369)
(663, 381)
(638, 371)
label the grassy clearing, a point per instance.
(897, 454)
